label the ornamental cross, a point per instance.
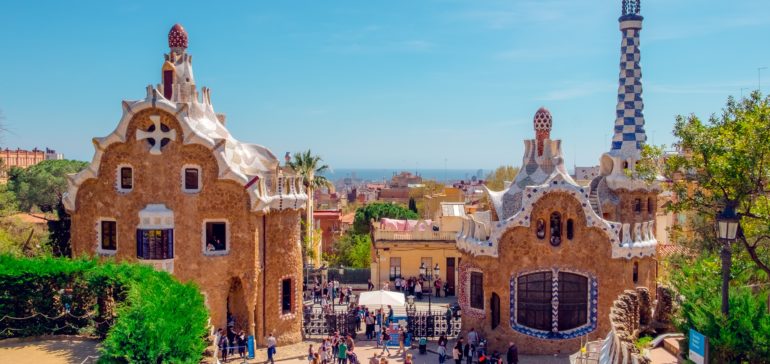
(157, 135)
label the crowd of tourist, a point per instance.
(416, 286)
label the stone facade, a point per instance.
(544, 266)
(521, 251)
(240, 187)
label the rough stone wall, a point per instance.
(645, 306)
(157, 179)
(624, 321)
(665, 305)
(283, 260)
(522, 251)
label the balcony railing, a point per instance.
(429, 235)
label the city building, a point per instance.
(543, 266)
(172, 188)
(400, 247)
(24, 158)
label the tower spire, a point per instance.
(629, 116)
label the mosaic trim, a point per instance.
(293, 314)
(554, 334)
(557, 184)
(464, 291)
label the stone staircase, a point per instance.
(593, 198)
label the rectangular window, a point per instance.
(216, 236)
(286, 296)
(533, 308)
(638, 206)
(126, 178)
(395, 268)
(191, 179)
(109, 235)
(477, 290)
(155, 244)
(573, 301)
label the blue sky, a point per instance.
(381, 84)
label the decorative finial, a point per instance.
(542, 122)
(177, 37)
(632, 7)
(287, 158)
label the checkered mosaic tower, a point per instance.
(629, 122)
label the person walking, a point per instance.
(271, 342)
(369, 285)
(223, 344)
(401, 341)
(385, 338)
(512, 356)
(457, 352)
(342, 353)
(441, 354)
(241, 339)
(473, 338)
(468, 353)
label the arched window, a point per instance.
(636, 272)
(638, 206)
(625, 164)
(555, 229)
(554, 304)
(650, 205)
(168, 80)
(540, 229)
(570, 229)
(494, 304)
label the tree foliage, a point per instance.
(378, 210)
(495, 180)
(726, 160)
(351, 250)
(144, 316)
(310, 167)
(744, 335)
(42, 185)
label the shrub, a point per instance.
(142, 314)
(743, 336)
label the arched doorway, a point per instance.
(237, 310)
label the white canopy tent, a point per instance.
(381, 298)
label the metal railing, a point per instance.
(428, 235)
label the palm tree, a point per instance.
(310, 168)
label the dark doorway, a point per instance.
(494, 304)
(450, 276)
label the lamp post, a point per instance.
(728, 223)
(424, 271)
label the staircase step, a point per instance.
(672, 345)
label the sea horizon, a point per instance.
(385, 174)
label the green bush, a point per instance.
(143, 315)
(743, 336)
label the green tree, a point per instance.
(351, 250)
(41, 187)
(744, 335)
(43, 184)
(723, 161)
(495, 180)
(8, 203)
(378, 210)
(311, 168)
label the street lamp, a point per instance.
(728, 223)
(426, 273)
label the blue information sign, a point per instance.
(699, 347)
